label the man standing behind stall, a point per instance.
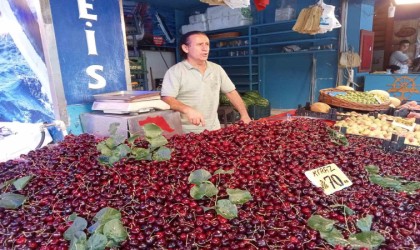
(400, 58)
(193, 86)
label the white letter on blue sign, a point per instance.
(83, 10)
(91, 71)
(91, 42)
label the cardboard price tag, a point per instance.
(329, 177)
(403, 123)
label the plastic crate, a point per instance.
(257, 112)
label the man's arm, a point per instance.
(193, 116)
(239, 104)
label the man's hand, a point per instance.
(246, 119)
(194, 117)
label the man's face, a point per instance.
(404, 47)
(198, 47)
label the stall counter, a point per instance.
(402, 86)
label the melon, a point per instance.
(395, 101)
(380, 92)
(320, 107)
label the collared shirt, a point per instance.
(201, 92)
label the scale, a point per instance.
(126, 102)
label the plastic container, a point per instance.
(257, 112)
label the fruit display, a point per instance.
(362, 97)
(152, 199)
(381, 127)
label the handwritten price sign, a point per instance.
(330, 178)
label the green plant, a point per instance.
(116, 147)
(337, 137)
(205, 188)
(392, 182)
(11, 200)
(107, 231)
(367, 238)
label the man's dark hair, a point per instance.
(185, 40)
(404, 41)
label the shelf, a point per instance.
(297, 52)
(239, 65)
(273, 33)
(230, 48)
(263, 40)
(227, 57)
(229, 38)
(245, 83)
(294, 42)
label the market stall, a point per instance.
(338, 173)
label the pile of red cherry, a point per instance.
(269, 160)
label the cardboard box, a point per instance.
(98, 123)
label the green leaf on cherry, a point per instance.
(113, 159)
(11, 200)
(104, 149)
(140, 153)
(114, 230)
(372, 169)
(385, 182)
(79, 224)
(132, 139)
(123, 150)
(157, 142)
(6, 183)
(226, 209)
(204, 189)
(97, 242)
(110, 143)
(96, 228)
(346, 209)
(106, 214)
(334, 237)
(369, 240)
(209, 189)
(22, 182)
(320, 223)
(151, 130)
(365, 224)
(78, 241)
(410, 187)
(198, 176)
(196, 192)
(162, 154)
(72, 217)
(238, 196)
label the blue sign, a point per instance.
(91, 48)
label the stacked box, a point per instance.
(198, 22)
(222, 17)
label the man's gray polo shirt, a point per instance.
(201, 92)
